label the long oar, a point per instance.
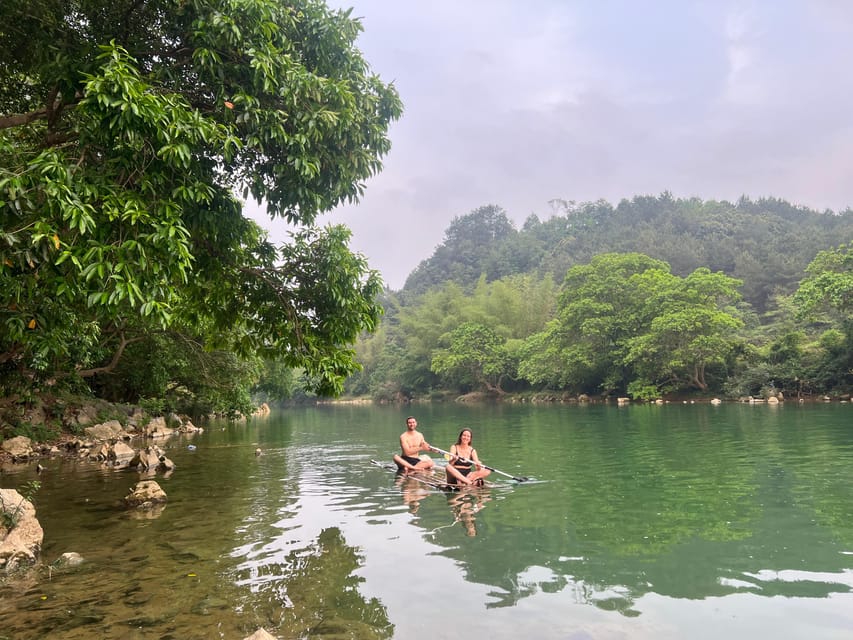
(503, 473)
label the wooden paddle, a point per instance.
(503, 473)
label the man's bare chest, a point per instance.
(412, 439)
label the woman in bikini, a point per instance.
(464, 466)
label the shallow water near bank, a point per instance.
(644, 522)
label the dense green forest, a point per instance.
(653, 297)
(129, 272)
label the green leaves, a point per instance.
(117, 184)
(624, 321)
(829, 283)
(475, 356)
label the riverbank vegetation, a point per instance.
(654, 297)
(128, 269)
(129, 272)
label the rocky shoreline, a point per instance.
(132, 444)
(80, 426)
(107, 443)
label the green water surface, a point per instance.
(674, 521)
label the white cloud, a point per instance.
(517, 103)
(744, 80)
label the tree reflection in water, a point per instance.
(321, 595)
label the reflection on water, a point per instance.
(648, 522)
(413, 491)
(316, 591)
(465, 504)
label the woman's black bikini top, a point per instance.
(463, 464)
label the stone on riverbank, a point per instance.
(107, 431)
(19, 448)
(21, 534)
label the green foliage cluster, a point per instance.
(40, 432)
(127, 129)
(767, 243)
(731, 319)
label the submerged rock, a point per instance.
(145, 495)
(67, 560)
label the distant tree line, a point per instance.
(654, 296)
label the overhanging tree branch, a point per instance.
(20, 119)
(108, 368)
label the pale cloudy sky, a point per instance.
(516, 103)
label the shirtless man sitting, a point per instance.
(411, 444)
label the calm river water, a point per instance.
(644, 522)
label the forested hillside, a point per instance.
(650, 297)
(765, 243)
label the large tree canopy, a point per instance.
(829, 282)
(475, 356)
(624, 321)
(127, 130)
(471, 248)
(825, 298)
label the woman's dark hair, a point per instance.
(459, 439)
